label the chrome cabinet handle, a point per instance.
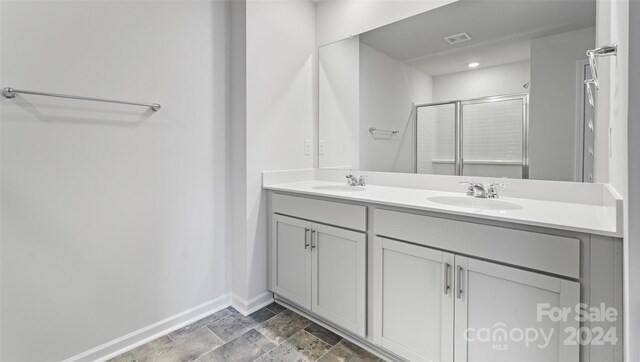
(313, 245)
(459, 293)
(306, 238)
(447, 267)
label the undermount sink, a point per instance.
(338, 188)
(475, 203)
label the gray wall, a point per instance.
(338, 100)
(388, 88)
(634, 183)
(113, 217)
(280, 82)
(552, 115)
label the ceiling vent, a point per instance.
(458, 38)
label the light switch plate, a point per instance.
(307, 147)
(321, 147)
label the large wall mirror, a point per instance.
(477, 88)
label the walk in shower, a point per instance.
(477, 137)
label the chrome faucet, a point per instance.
(353, 181)
(478, 190)
(475, 189)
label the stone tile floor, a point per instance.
(273, 333)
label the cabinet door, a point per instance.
(413, 300)
(291, 259)
(497, 318)
(338, 276)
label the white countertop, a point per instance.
(578, 217)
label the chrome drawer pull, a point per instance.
(447, 267)
(459, 281)
(306, 238)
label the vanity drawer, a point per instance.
(548, 253)
(326, 212)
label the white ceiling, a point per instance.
(500, 30)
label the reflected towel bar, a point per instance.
(9, 92)
(373, 129)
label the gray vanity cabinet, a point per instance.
(429, 288)
(413, 293)
(339, 277)
(321, 268)
(291, 273)
(501, 314)
(432, 305)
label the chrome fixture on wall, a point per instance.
(9, 92)
(373, 129)
(604, 51)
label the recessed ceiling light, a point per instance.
(473, 65)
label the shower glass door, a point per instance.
(436, 139)
(494, 137)
(481, 137)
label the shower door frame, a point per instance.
(456, 135)
(459, 131)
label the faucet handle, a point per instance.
(470, 187)
(351, 180)
(362, 180)
(492, 190)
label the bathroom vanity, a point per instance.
(419, 273)
(409, 264)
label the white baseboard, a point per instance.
(143, 335)
(247, 307)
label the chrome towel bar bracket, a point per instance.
(9, 92)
